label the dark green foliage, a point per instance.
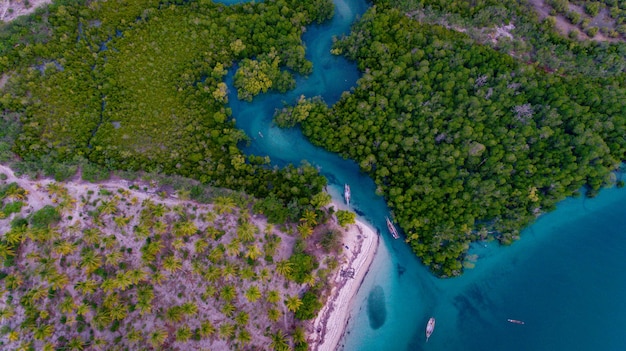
(45, 217)
(345, 218)
(139, 86)
(272, 208)
(310, 306)
(94, 173)
(303, 266)
(331, 240)
(458, 136)
(12, 207)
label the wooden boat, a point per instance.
(346, 193)
(515, 321)
(392, 228)
(430, 327)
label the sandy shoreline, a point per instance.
(360, 246)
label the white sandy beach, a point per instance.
(362, 243)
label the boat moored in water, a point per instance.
(346, 193)
(392, 228)
(515, 321)
(430, 327)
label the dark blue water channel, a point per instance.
(566, 277)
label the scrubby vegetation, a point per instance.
(533, 37)
(607, 16)
(460, 139)
(104, 267)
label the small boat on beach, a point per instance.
(392, 228)
(430, 327)
(346, 193)
(515, 321)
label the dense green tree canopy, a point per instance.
(461, 139)
(139, 86)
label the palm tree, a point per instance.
(118, 312)
(137, 275)
(108, 285)
(90, 261)
(55, 189)
(284, 268)
(233, 247)
(183, 334)
(76, 344)
(6, 251)
(227, 330)
(200, 246)
(246, 231)
(87, 286)
(158, 337)
(159, 227)
(58, 281)
(216, 254)
(244, 337)
(189, 308)
(13, 191)
(108, 207)
(309, 217)
(172, 263)
(305, 230)
(160, 210)
(264, 275)
(174, 314)
(114, 258)
(142, 231)
(186, 228)
(43, 332)
(273, 314)
(229, 270)
(67, 305)
(178, 244)
(206, 329)
(82, 309)
(228, 309)
(63, 247)
(212, 273)
(253, 294)
(279, 341)
(272, 242)
(228, 293)
(134, 336)
(293, 303)
(272, 297)
(247, 273)
(299, 336)
(92, 236)
(242, 319)
(209, 292)
(253, 252)
(122, 221)
(123, 280)
(224, 204)
(150, 250)
(158, 277)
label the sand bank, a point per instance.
(360, 246)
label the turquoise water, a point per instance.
(566, 277)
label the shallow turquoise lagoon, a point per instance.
(566, 277)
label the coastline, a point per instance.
(360, 244)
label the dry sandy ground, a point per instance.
(360, 246)
(11, 9)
